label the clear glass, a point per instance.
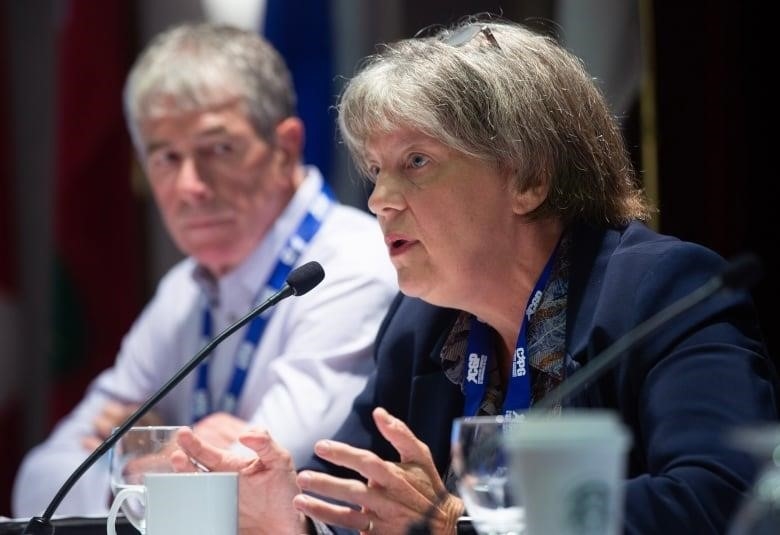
(480, 464)
(759, 514)
(142, 450)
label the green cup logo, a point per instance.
(587, 508)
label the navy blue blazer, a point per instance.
(680, 393)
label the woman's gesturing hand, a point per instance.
(395, 494)
(266, 482)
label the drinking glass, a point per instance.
(142, 450)
(759, 513)
(480, 463)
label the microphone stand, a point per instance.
(300, 281)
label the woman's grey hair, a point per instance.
(511, 97)
(191, 67)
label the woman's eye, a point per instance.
(417, 160)
(373, 172)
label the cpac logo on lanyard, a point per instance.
(518, 363)
(476, 371)
(534, 304)
(479, 351)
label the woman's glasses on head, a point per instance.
(466, 33)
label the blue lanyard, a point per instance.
(479, 351)
(246, 350)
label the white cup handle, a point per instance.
(124, 494)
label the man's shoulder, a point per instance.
(179, 277)
(350, 243)
(353, 218)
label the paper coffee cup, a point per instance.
(569, 472)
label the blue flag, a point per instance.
(301, 31)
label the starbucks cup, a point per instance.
(569, 471)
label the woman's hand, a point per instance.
(266, 482)
(395, 495)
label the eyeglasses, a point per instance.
(466, 33)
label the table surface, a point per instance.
(97, 526)
(72, 526)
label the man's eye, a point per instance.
(221, 149)
(163, 159)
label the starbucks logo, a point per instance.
(586, 508)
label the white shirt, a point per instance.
(313, 359)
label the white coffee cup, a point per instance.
(183, 503)
(569, 471)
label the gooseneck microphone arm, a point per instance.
(300, 281)
(742, 272)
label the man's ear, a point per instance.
(526, 201)
(289, 140)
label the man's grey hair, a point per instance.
(508, 96)
(192, 67)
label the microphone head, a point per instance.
(305, 277)
(742, 271)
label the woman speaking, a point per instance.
(513, 218)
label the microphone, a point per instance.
(299, 282)
(741, 273)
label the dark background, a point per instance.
(715, 126)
